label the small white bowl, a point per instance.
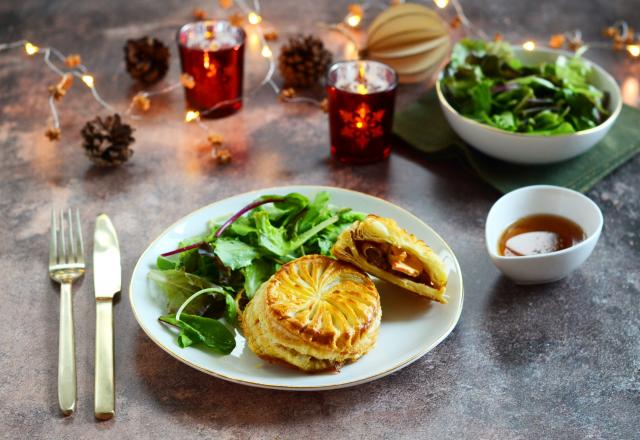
(535, 149)
(543, 199)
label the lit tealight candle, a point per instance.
(529, 45)
(361, 98)
(212, 53)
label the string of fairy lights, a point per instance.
(620, 37)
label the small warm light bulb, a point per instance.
(359, 124)
(88, 80)
(354, 17)
(254, 40)
(634, 50)
(631, 90)
(254, 18)
(31, 48)
(353, 20)
(529, 45)
(191, 116)
(266, 52)
(441, 3)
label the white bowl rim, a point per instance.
(594, 235)
(612, 117)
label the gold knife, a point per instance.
(106, 283)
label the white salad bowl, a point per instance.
(543, 199)
(528, 148)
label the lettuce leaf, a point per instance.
(178, 286)
(199, 329)
(256, 274)
(235, 254)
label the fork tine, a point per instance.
(79, 238)
(73, 256)
(53, 245)
(62, 257)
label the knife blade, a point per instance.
(106, 259)
(107, 283)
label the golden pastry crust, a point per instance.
(315, 313)
(385, 233)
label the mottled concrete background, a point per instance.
(556, 361)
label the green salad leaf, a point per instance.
(256, 274)
(235, 253)
(178, 286)
(484, 82)
(199, 329)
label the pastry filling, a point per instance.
(394, 260)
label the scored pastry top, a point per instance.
(323, 301)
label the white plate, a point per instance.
(411, 326)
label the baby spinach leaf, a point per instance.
(199, 329)
(317, 211)
(535, 82)
(234, 253)
(270, 238)
(243, 227)
(481, 97)
(255, 275)
(167, 263)
(505, 120)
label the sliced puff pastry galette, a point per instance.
(381, 248)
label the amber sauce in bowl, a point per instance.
(539, 234)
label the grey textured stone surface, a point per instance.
(554, 361)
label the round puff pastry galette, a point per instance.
(315, 313)
(381, 248)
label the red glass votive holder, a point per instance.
(361, 102)
(212, 52)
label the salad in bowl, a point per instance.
(523, 106)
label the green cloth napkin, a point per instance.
(424, 127)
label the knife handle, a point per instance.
(104, 406)
(66, 353)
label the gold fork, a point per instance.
(66, 265)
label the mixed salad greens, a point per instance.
(208, 276)
(484, 81)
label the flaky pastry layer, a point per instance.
(386, 232)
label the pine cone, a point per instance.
(303, 61)
(106, 141)
(147, 59)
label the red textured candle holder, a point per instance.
(212, 52)
(361, 104)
